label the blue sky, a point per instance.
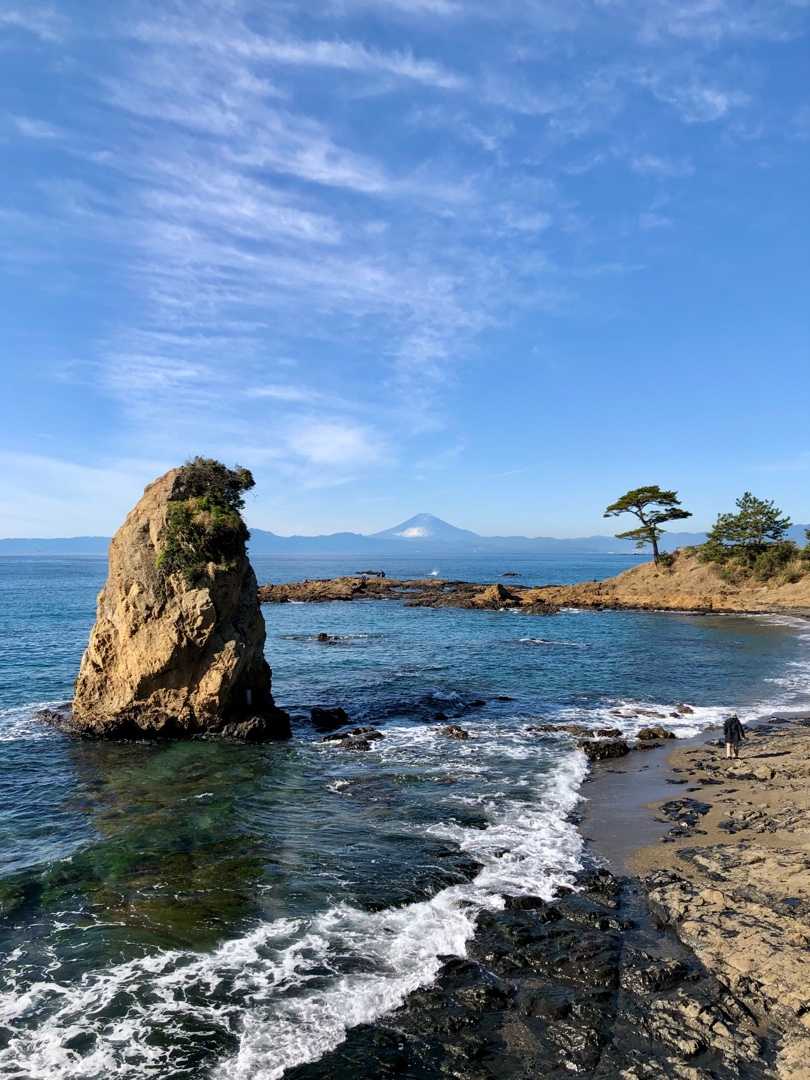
(494, 261)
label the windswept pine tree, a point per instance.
(653, 507)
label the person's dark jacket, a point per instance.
(733, 730)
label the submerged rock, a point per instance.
(177, 649)
(328, 719)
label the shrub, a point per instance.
(203, 520)
(713, 551)
(666, 559)
(773, 559)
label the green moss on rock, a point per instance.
(204, 519)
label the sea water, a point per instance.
(211, 910)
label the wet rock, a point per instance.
(567, 729)
(608, 733)
(367, 733)
(324, 719)
(603, 749)
(656, 732)
(453, 731)
(251, 729)
(546, 994)
(177, 649)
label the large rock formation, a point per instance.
(178, 645)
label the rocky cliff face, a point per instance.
(170, 656)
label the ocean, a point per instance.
(196, 910)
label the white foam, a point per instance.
(19, 723)
(291, 989)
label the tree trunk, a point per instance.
(654, 541)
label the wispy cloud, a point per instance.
(348, 56)
(35, 129)
(335, 444)
(45, 23)
(652, 220)
(655, 165)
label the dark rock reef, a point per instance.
(586, 985)
(428, 592)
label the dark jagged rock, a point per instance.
(453, 731)
(656, 732)
(367, 733)
(324, 719)
(603, 749)
(585, 985)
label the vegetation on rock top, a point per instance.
(204, 519)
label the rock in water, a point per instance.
(177, 649)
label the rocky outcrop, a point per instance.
(585, 985)
(733, 877)
(428, 592)
(603, 749)
(174, 657)
(687, 585)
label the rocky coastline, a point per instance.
(689, 960)
(688, 584)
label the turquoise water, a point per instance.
(205, 910)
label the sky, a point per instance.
(494, 261)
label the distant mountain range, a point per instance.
(422, 534)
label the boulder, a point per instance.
(366, 733)
(453, 731)
(656, 732)
(603, 749)
(328, 719)
(177, 649)
(568, 729)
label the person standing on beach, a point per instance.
(733, 734)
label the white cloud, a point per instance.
(349, 56)
(442, 8)
(43, 22)
(296, 395)
(47, 496)
(654, 165)
(335, 444)
(651, 220)
(35, 129)
(697, 102)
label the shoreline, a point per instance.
(629, 975)
(638, 589)
(722, 851)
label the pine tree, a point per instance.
(652, 507)
(757, 523)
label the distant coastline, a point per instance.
(422, 535)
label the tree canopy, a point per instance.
(204, 523)
(208, 477)
(758, 522)
(652, 506)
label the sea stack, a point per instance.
(177, 649)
